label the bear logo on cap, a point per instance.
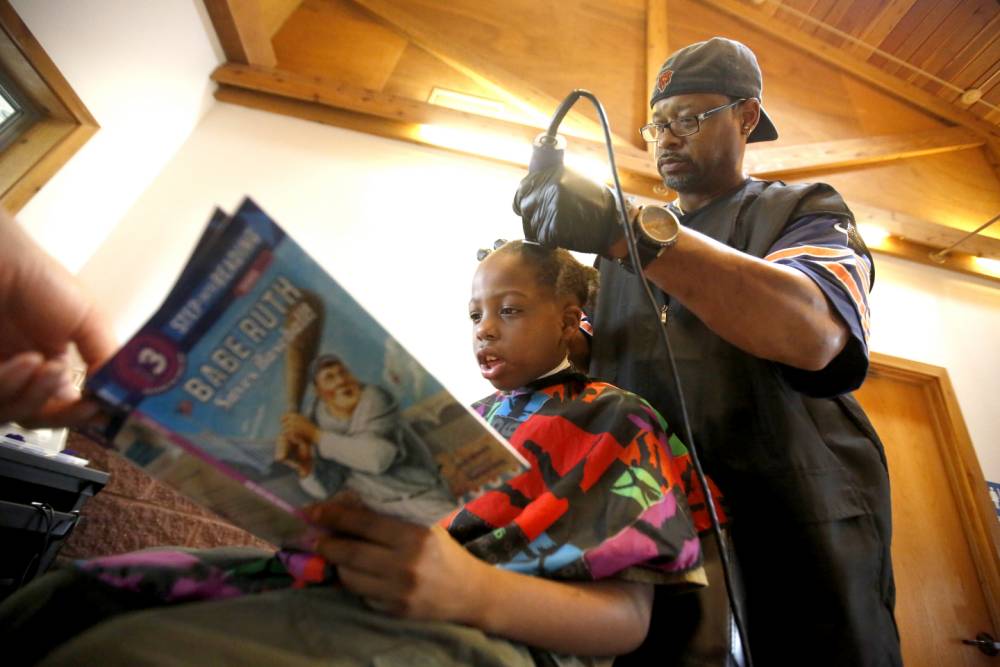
(664, 79)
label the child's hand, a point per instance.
(399, 567)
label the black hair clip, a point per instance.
(483, 253)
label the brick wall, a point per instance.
(135, 511)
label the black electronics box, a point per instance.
(40, 502)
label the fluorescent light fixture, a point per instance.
(469, 103)
(510, 108)
(504, 147)
(501, 147)
(873, 234)
(988, 264)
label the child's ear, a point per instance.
(571, 319)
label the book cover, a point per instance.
(261, 385)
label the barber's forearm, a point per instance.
(768, 310)
(580, 618)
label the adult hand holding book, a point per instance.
(45, 309)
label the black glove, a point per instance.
(561, 209)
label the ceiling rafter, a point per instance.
(657, 49)
(509, 87)
(251, 79)
(878, 29)
(835, 56)
(404, 130)
(960, 262)
(993, 156)
(243, 31)
(925, 232)
(763, 162)
(259, 18)
(784, 161)
(393, 107)
(657, 42)
(898, 225)
(274, 13)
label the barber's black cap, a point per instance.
(721, 66)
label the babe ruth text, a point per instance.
(280, 305)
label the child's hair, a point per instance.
(556, 269)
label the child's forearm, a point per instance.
(421, 572)
(581, 618)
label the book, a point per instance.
(260, 386)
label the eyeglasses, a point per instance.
(682, 127)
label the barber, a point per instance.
(764, 291)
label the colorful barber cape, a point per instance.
(603, 498)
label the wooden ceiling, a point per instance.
(870, 96)
(949, 48)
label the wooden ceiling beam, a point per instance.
(838, 57)
(931, 234)
(878, 29)
(242, 31)
(657, 49)
(657, 44)
(640, 171)
(993, 157)
(640, 184)
(784, 161)
(507, 86)
(385, 105)
(763, 162)
(274, 13)
(959, 262)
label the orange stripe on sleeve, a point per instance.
(849, 282)
(814, 250)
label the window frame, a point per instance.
(56, 123)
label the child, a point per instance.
(599, 518)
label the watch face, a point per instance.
(658, 224)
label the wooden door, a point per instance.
(946, 538)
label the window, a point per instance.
(42, 121)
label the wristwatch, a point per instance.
(656, 229)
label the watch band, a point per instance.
(648, 251)
(650, 247)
